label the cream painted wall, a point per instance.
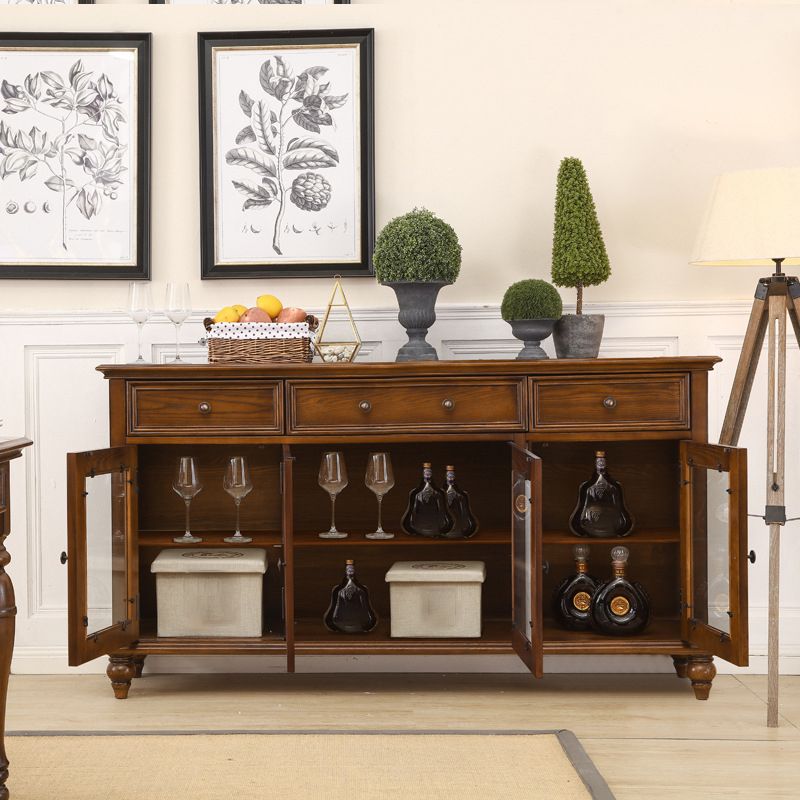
(476, 103)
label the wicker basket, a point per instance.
(260, 351)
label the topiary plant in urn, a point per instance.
(579, 259)
(416, 255)
(531, 307)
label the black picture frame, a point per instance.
(165, 2)
(207, 42)
(142, 44)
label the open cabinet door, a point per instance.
(287, 554)
(526, 557)
(714, 547)
(103, 562)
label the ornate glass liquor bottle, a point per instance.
(572, 598)
(350, 610)
(620, 607)
(465, 523)
(427, 513)
(601, 509)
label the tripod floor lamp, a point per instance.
(753, 219)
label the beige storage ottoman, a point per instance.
(436, 599)
(209, 591)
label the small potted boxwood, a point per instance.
(532, 307)
(417, 254)
(579, 259)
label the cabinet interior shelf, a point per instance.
(647, 536)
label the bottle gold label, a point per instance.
(582, 601)
(620, 606)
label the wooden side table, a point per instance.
(9, 450)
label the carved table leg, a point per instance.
(121, 671)
(138, 665)
(681, 665)
(701, 672)
(8, 611)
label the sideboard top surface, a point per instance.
(391, 369)
(11, 448)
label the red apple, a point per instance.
(291, 315)
(255, 315)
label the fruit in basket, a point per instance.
(270, 304)
(255, 315)
(227, 314)
(292, 315)
(239, 309)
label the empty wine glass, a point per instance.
(187, 486)
(379, 479)
(140, 307)
(333, 478)
(178, 306)
(238, 485)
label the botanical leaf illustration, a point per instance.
(256, 195)
(245, 103)
(261, 121)
(319, 144)
(246, 135)
(88, 201)
(308, 158)
(245, 157)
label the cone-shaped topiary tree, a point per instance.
(579, 254)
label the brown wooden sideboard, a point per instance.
(9, 450)
(522, 436)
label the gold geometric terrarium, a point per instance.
(337, 340)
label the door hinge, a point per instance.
(85, 622)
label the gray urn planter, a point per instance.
(531, 332)
(417, 302)
(579, 335)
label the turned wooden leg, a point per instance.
(701, 672)
(8, 611)
(121, 671)
(138, 665)
(681, 664)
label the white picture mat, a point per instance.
(107, 239)
(339, 239)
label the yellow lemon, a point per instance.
(270, 304)
(227, 314)
(239, 309)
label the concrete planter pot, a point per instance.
(579, 335)
(532, 332)
(417, 302)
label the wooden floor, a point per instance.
(646, 733)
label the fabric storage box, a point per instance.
(209, 591)
(436, 599)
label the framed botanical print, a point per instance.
(252, 2)
(46, 2)
(286, 150)
(75, 155)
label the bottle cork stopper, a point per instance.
(600, 454)
(426, 464)
(450, 468)
(349, 562)
(619, 555)
(580, 552)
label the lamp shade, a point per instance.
(752, 217)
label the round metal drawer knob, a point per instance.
(448, 404)
(610, 402)
(365, 406)
(204, 408)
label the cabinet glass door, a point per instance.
(287, 554)
(526, 557)
(714, 544)
(102, 563)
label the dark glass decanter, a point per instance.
(350, 610)
(572, 598)
(427, 513)
(620, 607)
(465, 523)
(601, 509)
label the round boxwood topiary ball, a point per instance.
(418, 246)
(531, 299)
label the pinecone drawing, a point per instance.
(310, 191)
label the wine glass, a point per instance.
(332, 478)
(238, 485)
(187, 486)
(379, 479)
(178, 306)
(140, 306)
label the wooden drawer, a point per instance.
(640, 403)
(406, 406)
(205, 408)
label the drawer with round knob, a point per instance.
(406, 406)
(205, 408)
(642, 403)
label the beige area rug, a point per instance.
(313, 765)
